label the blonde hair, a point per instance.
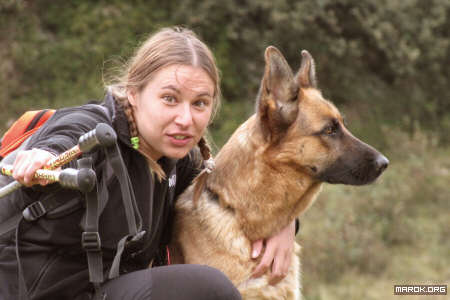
(168, 46)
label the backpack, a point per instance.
(22, 129)
(18, 135)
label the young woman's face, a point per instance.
(173, 110)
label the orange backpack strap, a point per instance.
(22, 129)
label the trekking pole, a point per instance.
(103, 135)
(83, 180)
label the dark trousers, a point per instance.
(177, 282)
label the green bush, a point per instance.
(389, 58)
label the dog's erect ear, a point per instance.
(277, 99)
(307, 73)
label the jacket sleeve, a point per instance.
(63, 129)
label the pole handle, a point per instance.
(103, 135)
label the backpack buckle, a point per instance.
(34, 211)
(90, 241)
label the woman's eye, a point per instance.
(201, 103)
(169, 99)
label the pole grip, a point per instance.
(103, 135)
(83, 180)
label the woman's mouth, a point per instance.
(180, 140)
(179, 137)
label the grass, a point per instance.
(360, 241)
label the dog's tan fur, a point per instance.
(265, 176)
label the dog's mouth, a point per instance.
(355, 173)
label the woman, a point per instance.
(160, 108)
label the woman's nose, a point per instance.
(184, 116)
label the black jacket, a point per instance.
(53, 262)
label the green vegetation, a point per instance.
(383, 63)
(388, 60)
(360, 241)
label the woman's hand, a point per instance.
(26, 164)
(277, 254)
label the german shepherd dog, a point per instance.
(267, 174)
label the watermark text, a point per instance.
(420, 289)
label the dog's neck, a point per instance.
(265, 198)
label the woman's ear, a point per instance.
(132, 97)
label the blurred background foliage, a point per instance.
(384, 63)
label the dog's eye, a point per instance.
(332, 129)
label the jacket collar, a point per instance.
(118, 118)
(167, 164)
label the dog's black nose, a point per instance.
(381, 163)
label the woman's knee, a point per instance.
(213, 282)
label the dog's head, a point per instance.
(306, 131)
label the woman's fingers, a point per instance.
(257, 248)
(20, 166)
(27, 163)
(265, 263)
(277, 254)
(280, 265)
